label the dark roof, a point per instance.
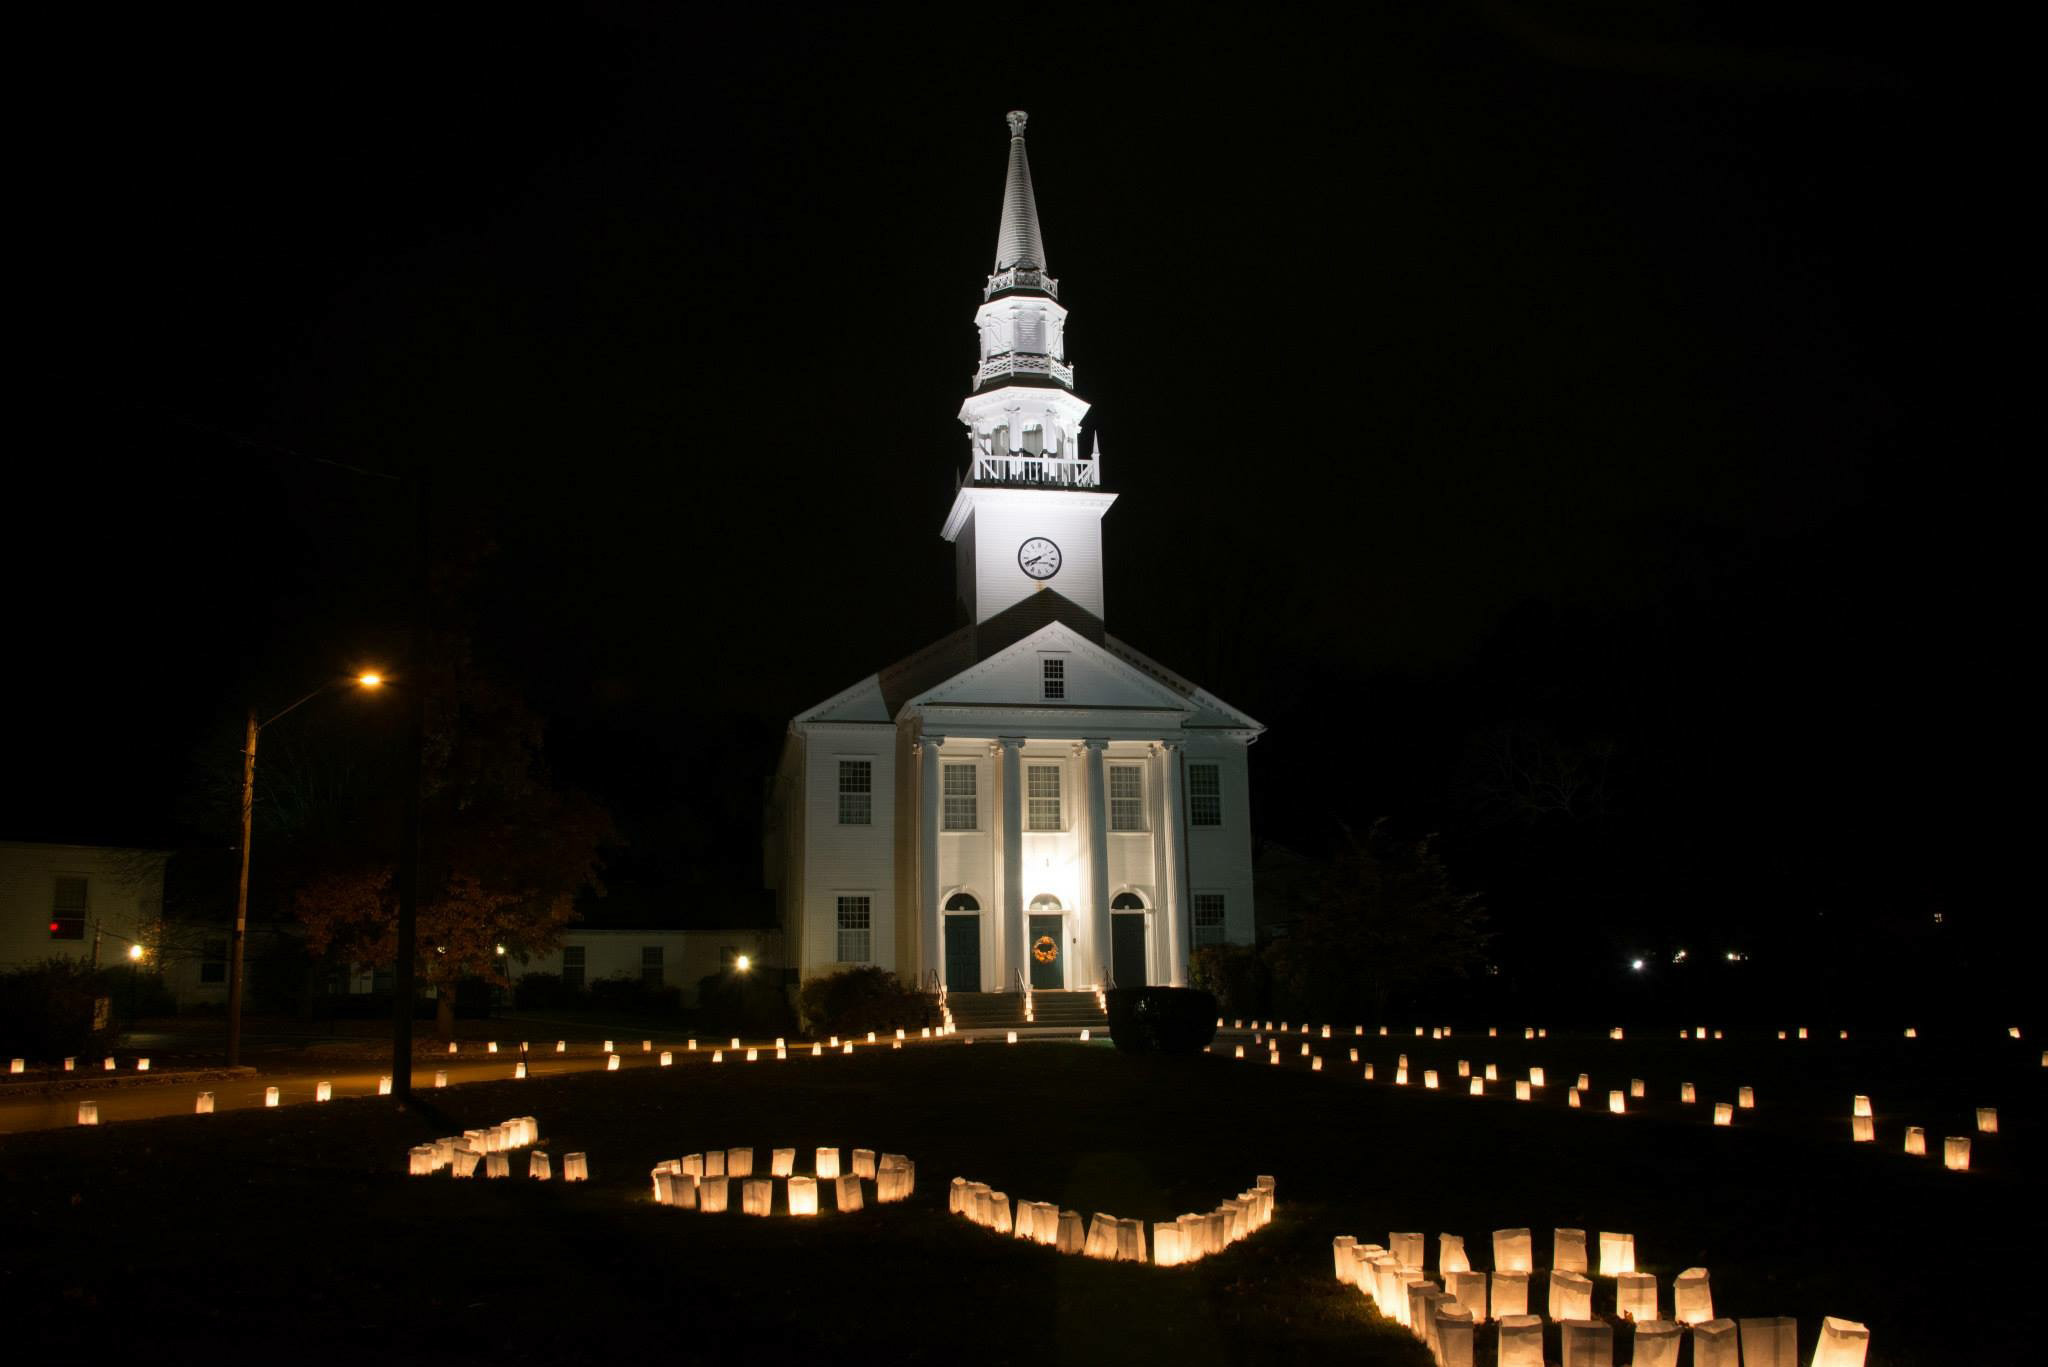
(970, 645)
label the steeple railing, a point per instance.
(1022, 363)
(1021, 278)
(1036, 471)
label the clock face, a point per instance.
(1039, 558)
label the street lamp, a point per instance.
(367, 679)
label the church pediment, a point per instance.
(1083, 675)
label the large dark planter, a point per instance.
(1161, 1020)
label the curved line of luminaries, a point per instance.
(1443, 1312)
(1175, 1243)
(704, 1181)
(490, 1151)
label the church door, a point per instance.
(963, 953)
(1127, 940)
(1048, 952)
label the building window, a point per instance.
(1127, 901)
(854, 929)
(962, 901)
(1208, 919)
(1205, 794)
(650, 966)
(1055, 671)
(1126, 797)
(213, 961)
(572, 967)
(856, 792)
(1042, 797)
(960, 813)
(67, 909)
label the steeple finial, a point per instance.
(1018, 243)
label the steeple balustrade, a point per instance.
(1021, 278)
(1043, 471)
(1023, 363)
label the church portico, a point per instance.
(1028, 801)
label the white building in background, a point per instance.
(1028, 799)
(89, 903)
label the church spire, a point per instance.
(1018, 243)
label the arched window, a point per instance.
(1046, 902)
(1127, 901)
(962, 901)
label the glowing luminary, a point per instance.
(1860, 1106)
(1492, 1073)
(1535, 1077)
(492, 1047)
(1571, 1098)
(1342, 1249)
(204, 1105)
(2013, 1031)
(498, 1164)
(1615, 1033)
(1354, 1055)
(1477, 1087)
(1692, 1296)
(1862, 1129)
(1072, 1236)
(739, 1162)
(1802, 1032)
(846, 1192)
(1407, 1248)
(1513, 1251)
(1772, 1342)
(803, 1195)
(1955, 1153)
(71, 1064)
(109, 1064)
(753, 1055)
(781, 1162)
(1911, 1033)
(1011, 1039)
(1584, 1084)
(1567, 1252)
(1464, 1067)
(1781, 1034)
(864, 1163)
(1101, 1242)
(1724, 1114)
(1240, 1051)
(1316, 1065)
(817, 1051)
(1522, 1091)
(611, 1063)
(668, 1059)
(561, 1046)
(323, 1091)
(757, 1196)
(718, 1055)
(1529, 1032)
(1617, 1253)
(1453, 1334)
(463, 1162)
(270, 1096)
(18, 1066)
(420, 1161)
(1587, 1342)
(1617, 1103)
(1383, 1031)
(519, 1069)
(440, 1077)
(1987, 1120)
(1657, 1343)
(1715, 1344)
(1521, 1341)
(451, 1046)
(88, 1113)
(1916, 1141)
(1842, 1343)
(1845, 1034)
(1570, 1296)
(1085, 1036)
(1745, 1097)
(1468, 1288)
(1635, 1296)
(1169, 1245)
(1304, 1050)
(1686, 1095)
(1429, 1079)
(895, 1178)
(1493, 1032)
(1637, 1088)
(540, 1169)
(714, 1195)
(1368, 1072)
(575, 1167)
(1401, 1075)
(714, 1163)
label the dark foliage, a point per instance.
(630, 997)
(46, 1011)
(1235, 974)
(752, 1004)
(856, 1000)
(1162, 1020)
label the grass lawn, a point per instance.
(295, 1233)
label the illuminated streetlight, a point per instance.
(135, 952)
(501, 951)
(370, 679)
(1636, 964)
(742, 963)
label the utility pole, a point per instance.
(403, 983)
(241, 931)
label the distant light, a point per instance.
(1736, 956)
(135, 951)
(1636, 964)
(742, 963)
(1679, 957)
(372, 679)
(501, 950)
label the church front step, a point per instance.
(1005, 1010)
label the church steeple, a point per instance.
(1018, 243)
(1028, 511)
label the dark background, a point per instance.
(1627, 376)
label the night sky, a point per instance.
(1616, 370)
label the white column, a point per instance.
(1009, 951)
(1175, 893)
(1097, 882)
(931, 926)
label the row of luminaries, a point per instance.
(1442, 1313)
(1187, 1239)
(703, 1181)
(491, 1151)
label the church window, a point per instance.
(67, 909)
(962, 901)
(1205, 795)
(572, 967)
(1042, 797)
(1127, 901)
(1054, 672)
(651, 966)
(960, 812)
(856, 792)
(1126, 797)
(854, 925)
(1208, 919)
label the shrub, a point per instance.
(547, 992)
(856, 1000)
(1165, 1020)
(751, 1004)
(1235, 973)
(49, 1011)
(632, 998)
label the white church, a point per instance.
(1027, 801)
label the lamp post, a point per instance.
(241, 930)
